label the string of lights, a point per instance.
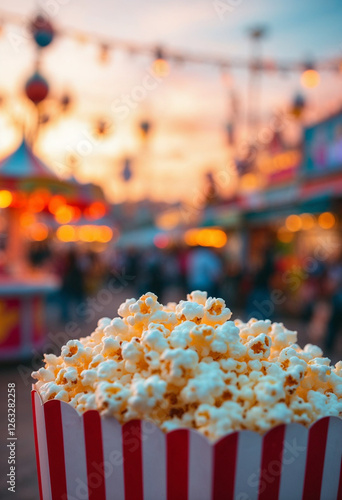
(162, 56)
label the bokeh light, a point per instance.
(293, 223)
(310, 78)
(5, 198)
(326, 220)
(66, 233)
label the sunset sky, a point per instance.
(188, 109)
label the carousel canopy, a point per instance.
(23, 171)
(24, 164)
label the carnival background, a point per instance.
(165, 147)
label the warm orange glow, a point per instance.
(161, 67)
(206, 237)
(310, 78)
(104, 234)
(56, 202)
(168, 220)
(36, 202)
(190, 237)
(64, 214)
(161, 240)
(308, 221)
(27, 219)
(77, 214)
(284, 235)
(293, 223)
(86, 234)
(38, 231)
(326, 220)
(96, 210)
(66, 233)
(249, 182)
(5, 198)
(19, 199)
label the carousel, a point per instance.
(36, 206)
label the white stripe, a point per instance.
(293, 463)
(113, 458)
(248, 466)
(74, 453)
(42, 446)
(200, 467)
(153, 461)
(332, 461)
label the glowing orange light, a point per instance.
(77, 214)
(293, 223)
(64, 214)
(38, 231)
(326, 220)
(104, 234)
(284, 235)
(206, 237)
(310, 78)
(96, 210)
(66, 233)
(308, 221)
(190, 237)
(161, 67)
(5, 198)
(86, 233)
(27, 219)
(161, 240)
(36, 202)
(249, 181)
(168, 220)
(19, 199)
(56, 202)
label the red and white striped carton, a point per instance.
(92, 458)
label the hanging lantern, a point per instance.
(310, 77)
(127, 170)
(145, 127)
(230, 129)
(104, 53)
(36, 88)
(102, 127)
(42, 31)
(298, 105)
(65, 102)
(160, 66)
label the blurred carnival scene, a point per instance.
(167, 146)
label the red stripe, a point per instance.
(132, 455)
(177, 464)
(94, 455)
(55, 446)
(271, 463)
(225, 454)
(315, 460)
(339, 494)
(33, 396)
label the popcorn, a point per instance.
(190, 365)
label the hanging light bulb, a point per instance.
(160, 65)
(42, 31)
(310, 78)
(65, 102)
(104, 53)
(145, 128)
(102, 127)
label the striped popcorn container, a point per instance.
(92, 458)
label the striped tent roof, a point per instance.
(24, 164)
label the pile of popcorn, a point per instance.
(189, 365)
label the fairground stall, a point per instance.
(34, 205)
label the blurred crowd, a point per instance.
(267, 285)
